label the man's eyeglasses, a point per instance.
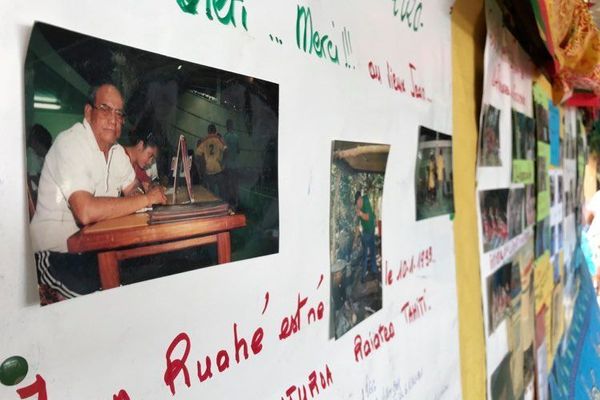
(107, 111)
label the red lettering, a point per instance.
(122, 395)
(38, 387)
(239, 344)
(320, 310)
(174, 367)
(222, 360)
(358, 347)
(284, 331)
(312, 383)
(257, 338)
(208, 373)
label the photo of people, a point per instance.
(528, 366)
(541, 123)
(516, 212)
(553, 194)
(503, 286)
(357, 177)
(542, 175)
(523, 147)
(433, 175)
(542, 237)
(502, 384)
(494, 222)
(489, 138)
(530, 196)
(109, 123)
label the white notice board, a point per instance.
(334, 106)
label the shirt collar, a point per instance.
(91, 139)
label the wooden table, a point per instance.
(131, 236)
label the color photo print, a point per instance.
(523, 148)
(357, 177)
(494, 222)
(434, 175)
(503, 286)
(96, 107)
(489, 138)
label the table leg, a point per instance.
(108, 267)
(223, 247)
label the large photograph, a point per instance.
(355, 229)
(141, 165)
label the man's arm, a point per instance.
(362, 215)
(88, 209)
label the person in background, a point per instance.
(439, 169)
(211, 150)
(366, 216)
(230, 161)
(82, 181)
(591, 216)
(142, 153)
(38, 144)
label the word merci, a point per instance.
(308, 39)
(409, 266)
(177, 366)
(396, 82)
(413, 310)
(321, 380)
(363, 348)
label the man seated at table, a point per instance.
(84, 175)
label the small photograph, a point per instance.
(530, 197)
(553, 240)
(542, 173)
(489, 138)
(528, 365)
(141, 165)
(559, 193)
(541, 123)
(494, 222)
(357, 177)
(560, 236)
(523, 137)
(542, 237)
(503, 286)
(502, 385)
(553, 196)
(433, 175)
(556, 268)
(516, 212)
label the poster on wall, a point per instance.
(506, 198)
(212, 194)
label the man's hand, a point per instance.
(156, 195)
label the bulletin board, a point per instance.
(333, 273)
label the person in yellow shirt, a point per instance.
(440, 166)
(431, 177)
(211, 150)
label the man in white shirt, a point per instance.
(84, 175)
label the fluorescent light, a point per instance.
(46, 106)
(45, 98)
